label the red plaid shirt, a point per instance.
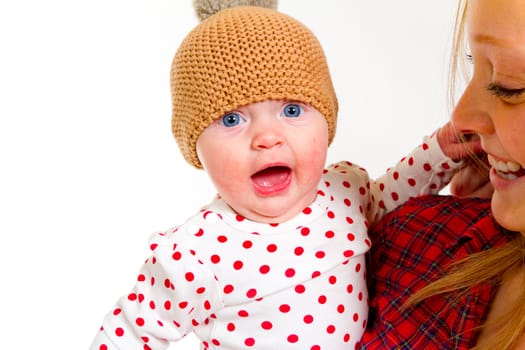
(412, 246)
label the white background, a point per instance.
(88, 166)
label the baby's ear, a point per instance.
(206, 8)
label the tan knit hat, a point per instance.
(243, 55)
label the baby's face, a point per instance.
(266, 159)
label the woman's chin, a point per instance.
(509, 210)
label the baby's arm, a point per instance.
(426, 170)
(172, 295)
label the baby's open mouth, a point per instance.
(272, 179)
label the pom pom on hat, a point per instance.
(207, 8)
(242, 55)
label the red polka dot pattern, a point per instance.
(239, 284)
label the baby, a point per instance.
(276, 260)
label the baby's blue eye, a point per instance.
(292, 110)
(231, 120)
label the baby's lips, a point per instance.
(271, 179)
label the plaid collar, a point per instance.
(412, 246)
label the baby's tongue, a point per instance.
(271, 178)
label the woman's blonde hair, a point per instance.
(488, 266)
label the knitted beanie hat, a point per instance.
(242, 55)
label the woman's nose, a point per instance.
(472, 112)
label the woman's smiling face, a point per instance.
(493, 104)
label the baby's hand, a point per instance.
(472, 181)
(457, 146)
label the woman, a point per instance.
(464, 258)
(493, 106)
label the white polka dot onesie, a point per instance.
(238, 284)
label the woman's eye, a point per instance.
(231, 120)
(502, 92)
(292, 110)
